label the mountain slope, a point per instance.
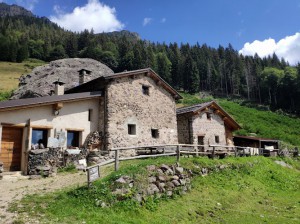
(13, 10)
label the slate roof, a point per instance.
(31, 102)
(193, 108)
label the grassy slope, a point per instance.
(10, 73)
(259, 191)
(263, 123)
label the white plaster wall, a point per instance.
(73, 115)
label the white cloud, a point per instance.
(287, 48)
(94, 15)
(147, 21)
(28, 4)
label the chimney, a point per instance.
(82, 74)
(59, 88)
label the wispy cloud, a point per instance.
(147, 21)
(28, 4)
(287, 48)
(163, 20)
(94, 15)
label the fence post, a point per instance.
(213, 153)
(197, 150)
(116, 160)
(235, 151)
(178, 153)
(244, 154)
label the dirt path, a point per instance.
(14, 189)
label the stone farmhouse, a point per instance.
(127, 109)
(205, 124)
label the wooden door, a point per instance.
(201, 142)
(11, 148)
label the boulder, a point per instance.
(40, 81)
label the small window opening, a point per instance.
(131, 129)
(145, 90)
(217, 139)
(39, 138)
(72, 139)
(155, 133)
(208, 115)
(90, 114)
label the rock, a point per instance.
(138, 197)
(160, 171)
(151, 168)
(121, 180)
(164, 167)
(176, 183)
(282, 163)
(151, 179)
(204, 171)
(161, 186)
(40, 81)
(161, 178)
(175, 178)
(182, 182)
(222, 167)
(178, 170)
(169, 172)
(152, 189)
(170, 185)
(169, 193)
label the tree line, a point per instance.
(221, 71)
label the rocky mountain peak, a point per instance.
(13, 10)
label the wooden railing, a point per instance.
(168, 150)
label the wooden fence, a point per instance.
(169, 150)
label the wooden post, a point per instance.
(213, 153)
(244, 154)
(197, 150)
(178, 153)
(235, 151)
(116, 160)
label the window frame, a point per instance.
(131, 129)
(77, 139)
(146, 90)
(45, 135)
(154, 133)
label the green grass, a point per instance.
(253, 190)
(256, 120)
(10, 73)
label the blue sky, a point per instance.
(262, 26)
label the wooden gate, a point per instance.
(11, 148)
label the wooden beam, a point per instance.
(58, 106)
(74, 129)
(42, 126)
(13, 125)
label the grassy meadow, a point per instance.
(10, 73)
(252, 190)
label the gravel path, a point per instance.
(13, 188)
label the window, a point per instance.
(72, 139)
(131, 129)
(154, 133)
(208, 115)
(39, 138)
(217, 139)
(90, 114)
(145, 90)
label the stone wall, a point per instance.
(183, 129)
(127, 104)
(201, 126)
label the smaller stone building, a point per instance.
(205, 124)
